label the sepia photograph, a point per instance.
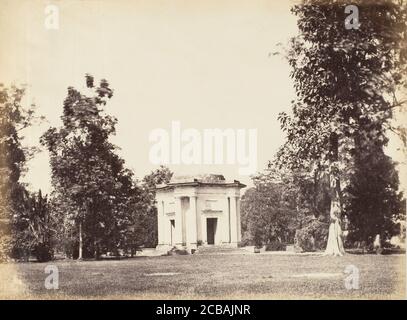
(203, 150)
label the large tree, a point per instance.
(346, 82)
(373, 205)
(285, 207)
(268, 213)
(87, 172)
(14, 118)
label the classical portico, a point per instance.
(201, 210)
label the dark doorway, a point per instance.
(211, 229)
(172, 231)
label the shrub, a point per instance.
(312, 237)
(5, 248)
(275, 246)
(43, 252)
(304, 241)
(246, 240)
(175, 251)
(69, 246)
(257, 240)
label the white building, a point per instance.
(203, 210)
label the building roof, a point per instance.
(201, 180)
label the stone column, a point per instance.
(233, 219)
(239, 226)
(191, 223)
(199, 236)
(178, 221)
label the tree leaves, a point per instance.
(341, 78)
(345, 82)
(87, 171)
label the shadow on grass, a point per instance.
(384, 251)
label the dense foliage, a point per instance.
(147, 220)
(283, 207)
(94, 188)
(346, 83)
(14, 118)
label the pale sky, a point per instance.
(208, 64)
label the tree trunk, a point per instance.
(97, 251)
(335, 243)
(80, 241)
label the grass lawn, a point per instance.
(225, 276)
